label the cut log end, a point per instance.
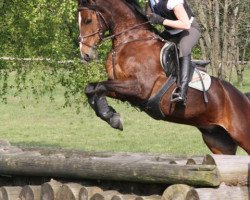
(30, 192)
(49, 190)
(68, 191)
(106, 195)
(208, 160)
(87, 193)
(177, 191)
(8, 193)
(65, 193)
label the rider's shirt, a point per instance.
(165, 10)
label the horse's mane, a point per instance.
(134, 4)
(248, 95)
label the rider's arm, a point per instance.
(182, 21)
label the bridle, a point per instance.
(102, 38)
(101, 28)
(100, 17)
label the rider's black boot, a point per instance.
(180, 93)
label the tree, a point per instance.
(224, 22)
(47, 30)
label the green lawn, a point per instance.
(48, 124)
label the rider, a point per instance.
(180, 27)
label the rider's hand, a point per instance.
(155, 19)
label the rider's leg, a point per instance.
(185, 68)
(188, 39)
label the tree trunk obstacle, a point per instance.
(223, 192)
(30, 192)
(8, 193)
(184, 178)
(117, 166)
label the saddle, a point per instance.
(169, 62)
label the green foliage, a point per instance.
(47, 30)
(38, 28)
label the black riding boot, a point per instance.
(180, 93)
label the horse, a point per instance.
(135, 75)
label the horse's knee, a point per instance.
(90, 89)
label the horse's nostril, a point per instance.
(87, 57)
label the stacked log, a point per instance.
(214, 177)
(50, 189)
(119, 167)
(223, 192)
(105, 195)
(68, 191)
(87, 193)
(30, 192)
(8, 193)
(234, 170)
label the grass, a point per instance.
(48, 124)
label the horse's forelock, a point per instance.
(83, 2)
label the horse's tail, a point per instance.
(248, 95)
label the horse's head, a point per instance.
(92, 25)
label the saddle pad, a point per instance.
(196, 81)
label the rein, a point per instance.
(99, 31)
(100, 28)
(126, 30)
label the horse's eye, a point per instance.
(87, 21)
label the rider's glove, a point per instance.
(155, 19)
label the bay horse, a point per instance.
(135, 75)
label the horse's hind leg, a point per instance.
(218, 140)
(100, 105)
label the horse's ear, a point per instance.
(82, 2)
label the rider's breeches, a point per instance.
(188, 39)
(185, 40)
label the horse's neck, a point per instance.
(130, 35)
(123, 20)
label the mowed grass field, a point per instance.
(48, 124)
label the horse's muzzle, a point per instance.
(86, 58)
(89, 55)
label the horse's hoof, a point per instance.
(116, 122)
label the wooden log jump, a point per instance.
(223, 192)
(234, 170)
(9, 193)
(189, 178)
(123, 167)
(69, 191)
(50, 189)
(30, 192)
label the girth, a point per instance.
(152, 106)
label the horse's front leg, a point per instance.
(97, 92)
(97, 100)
